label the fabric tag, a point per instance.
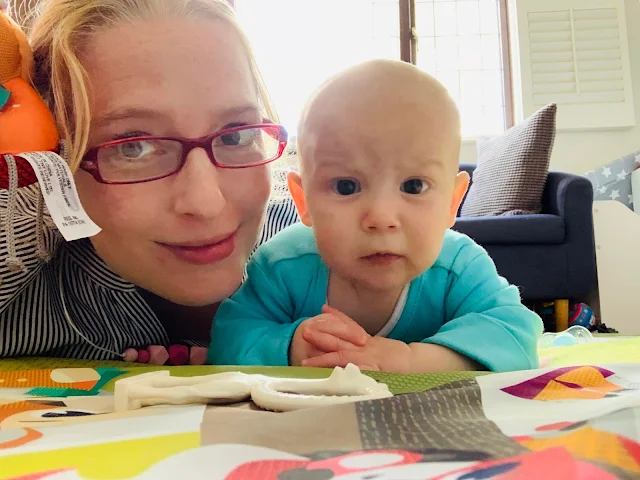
(60, 195)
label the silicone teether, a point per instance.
(573, 336)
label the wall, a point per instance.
(580, 152)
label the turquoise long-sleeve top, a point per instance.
(460, 302)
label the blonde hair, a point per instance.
(61, 28)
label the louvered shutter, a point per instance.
(575, 53)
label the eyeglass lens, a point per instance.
(144, 159)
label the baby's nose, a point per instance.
(381, 217)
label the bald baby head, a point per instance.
(389, 106)
(378, 146)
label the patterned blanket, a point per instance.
(569, 422)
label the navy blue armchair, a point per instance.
(550, 256)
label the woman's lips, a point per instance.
(204, 253)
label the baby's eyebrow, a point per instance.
(330, 161)
(423, 161)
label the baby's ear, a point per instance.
(459, 191)
(294, 183)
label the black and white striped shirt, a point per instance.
(106, 309)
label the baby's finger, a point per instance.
(326, 342)
(338, 313)
(341, 358)
(368, 368)
(329, 309)
(343, 317)
(348, 331)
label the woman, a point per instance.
(177, 228)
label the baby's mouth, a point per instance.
(382, 258)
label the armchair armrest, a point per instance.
(571, 197)
(567, 194)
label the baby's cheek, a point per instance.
(332, 241)
(430, 249)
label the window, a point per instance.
(315, 39)
(461, 42)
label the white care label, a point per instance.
(60, 195)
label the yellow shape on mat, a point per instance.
(104, 461)
(597, 353)
(78, 378)
(557, 391)
(588, 377)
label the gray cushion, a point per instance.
(512, 168)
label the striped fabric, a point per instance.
(104, 308)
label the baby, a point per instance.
(373, 276)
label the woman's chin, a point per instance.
(203, 295)
(197, 290)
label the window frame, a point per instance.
(409, 48)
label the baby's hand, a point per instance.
(330, 331)
(378, 354)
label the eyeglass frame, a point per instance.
(90, 164)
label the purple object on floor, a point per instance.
(178, 355)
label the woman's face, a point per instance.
(186, 237)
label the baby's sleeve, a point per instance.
(486, 320)
(255, 326)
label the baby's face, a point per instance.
(380, 194)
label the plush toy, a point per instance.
(26, 124)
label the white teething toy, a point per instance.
(276, 394)
(343, 386)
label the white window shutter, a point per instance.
(574, 53)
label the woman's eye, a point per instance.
(135, 150)
(231, 138)
(240, 138)
(414, 186)
(346, 187)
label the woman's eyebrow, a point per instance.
(124, 114)
(241, 110)
(142, 113)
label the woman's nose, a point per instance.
(196, 186)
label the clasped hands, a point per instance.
(332, 339)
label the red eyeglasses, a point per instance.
(144, 159)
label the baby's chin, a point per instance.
(382, 283)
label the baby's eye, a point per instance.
(346, 186)
(414, 186)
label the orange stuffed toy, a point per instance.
(26, 124)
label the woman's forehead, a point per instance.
(169, 66)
